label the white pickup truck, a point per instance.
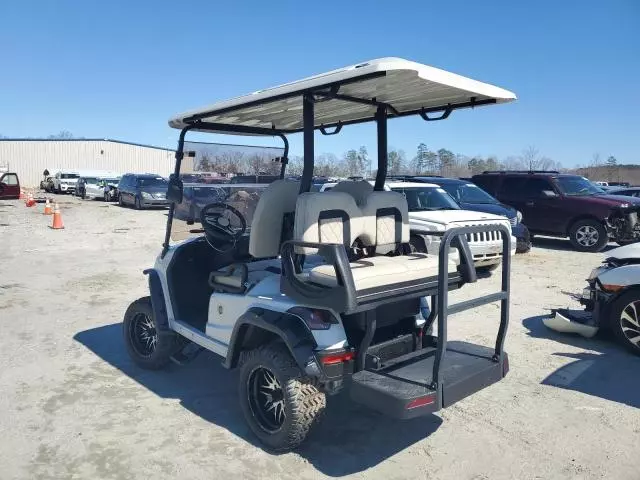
(431, 208)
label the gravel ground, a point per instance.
(72, 405)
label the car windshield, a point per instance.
(69, 175)
(152, 182)
(577, 186)
(469, 193)
(421, 199)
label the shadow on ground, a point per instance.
(562, 244)
(350, 439)
(606, 370)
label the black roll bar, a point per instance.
(309, 148)
(381, 124)
(443, 309)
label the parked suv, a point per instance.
(9, 186)
(142, 190)
(65, 181)
(566, 205)
(471, 197)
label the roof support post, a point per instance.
(381, 123)
(176, 178)
(308, 121)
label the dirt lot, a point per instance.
(72, 405)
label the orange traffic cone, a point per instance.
(57, 218)
(31, 201)
(47, 208)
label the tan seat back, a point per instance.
(278, 199)
(386, 220)
(327, 217)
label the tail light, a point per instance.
(334, 358)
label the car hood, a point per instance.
(627, 252)
(494, 208)
(440, 220)
(609, 200)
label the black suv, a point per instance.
(142, 190)
(564, 205)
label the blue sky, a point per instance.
(120, 69)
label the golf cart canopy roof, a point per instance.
(346, 96)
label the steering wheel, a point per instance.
(222, 223)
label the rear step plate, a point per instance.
(401, 388)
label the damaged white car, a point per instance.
(611, 300)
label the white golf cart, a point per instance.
(320, 291)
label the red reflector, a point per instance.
(336, 358)
(421, 402)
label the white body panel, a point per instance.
(92, 190)
(219, 328)
(628, 252)
(562, 324)
(623, 276)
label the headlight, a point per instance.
(146, 195)
(519, 216)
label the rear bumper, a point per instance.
(149, 202)
(403, 389)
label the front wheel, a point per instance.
(588, 236)
(279, 403)
(625, 320)
(144, 344)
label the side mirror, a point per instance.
(549, 194)
(175, 190)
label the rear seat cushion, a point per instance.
(327, 217)
(380, 271)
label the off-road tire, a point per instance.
(304, 403)
(617, 324)
(602, 237)
(166, 344)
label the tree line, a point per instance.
(358, 162)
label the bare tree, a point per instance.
(61, 135)
(530, 158)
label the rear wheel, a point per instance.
(588, 236)
(625, 320)
(279, 403)
(144, 344)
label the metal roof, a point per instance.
(405, 87)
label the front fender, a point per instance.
(287, 327)
(157, 301)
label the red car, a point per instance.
(9, 186)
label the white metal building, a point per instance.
(30, 157)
